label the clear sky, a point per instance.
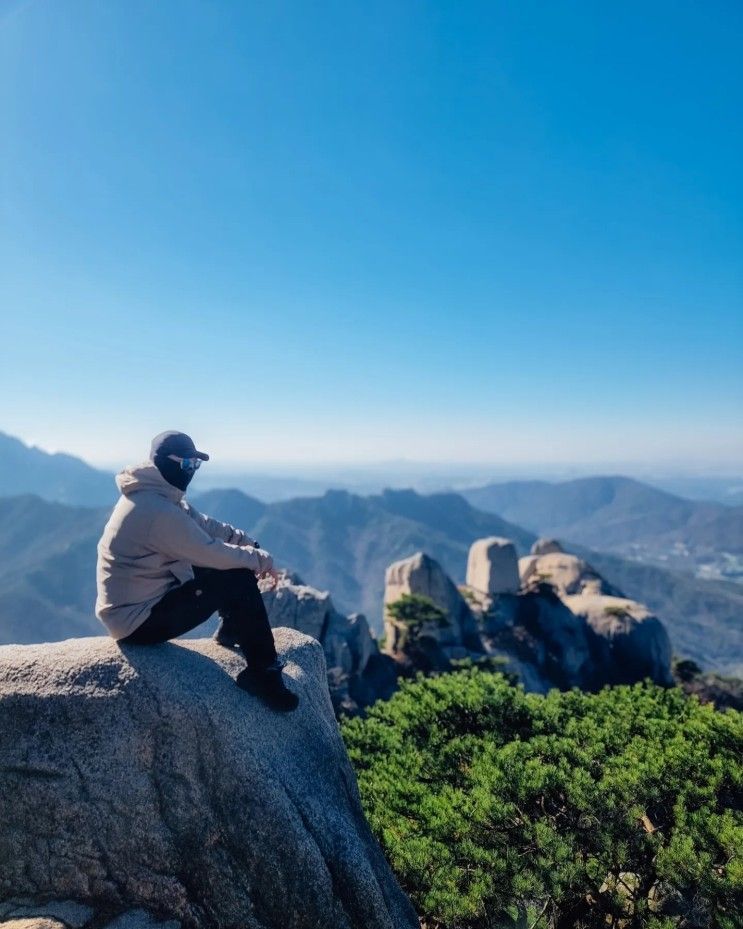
(353, 231)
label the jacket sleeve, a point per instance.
(217, 529)
(174, 533)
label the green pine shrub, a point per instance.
(413, 614)
(498, 808)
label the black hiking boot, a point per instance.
(268, 684)
(225, 636)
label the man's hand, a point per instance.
(271, 573)
(267, 569)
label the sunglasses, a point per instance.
(187, 464)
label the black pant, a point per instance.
(233, 593)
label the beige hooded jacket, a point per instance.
(149, 544)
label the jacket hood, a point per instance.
(146, 476)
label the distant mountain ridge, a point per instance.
(343, 542)
(25, 469)
(627, 517)
(339, 542)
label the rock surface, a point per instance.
(542, 641)
(493, 567)
(546, 547)
(568, 627)
(64, 914)
(33, 922)
(421, 574)
(567, 574)
(141, 779)
(628, 641)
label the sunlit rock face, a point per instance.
(139, 785)
(567, 574)
(492, 566)
(628, 641)
(567, 626)
(421, 574)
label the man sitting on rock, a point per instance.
(164, 568)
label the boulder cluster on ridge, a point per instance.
(550, 617)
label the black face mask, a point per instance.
(173, 472)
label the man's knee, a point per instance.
(237, 581)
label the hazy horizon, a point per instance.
(217, 470)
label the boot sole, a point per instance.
(255, 690)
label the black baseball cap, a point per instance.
(175, 443)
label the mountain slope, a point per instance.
(33, 530)
(343, 543)
(28, 470)
(339, 542)
(47, 569)
(625, 516)
(244, 510)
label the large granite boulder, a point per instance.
(141, 780)
(298, 606)
(561, 648)
(421, 574)
(493, 567)
(586, 640)
(628, 642)
(545, 644)
(567, 574)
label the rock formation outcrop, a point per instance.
(493, 567)
(138, 782)
(627, 640)
(421, 574)
(567, 574)
(566, 626)
(358, 674)
(545, 643)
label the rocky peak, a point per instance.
(546, 547)
(493, 567)
(558, 624)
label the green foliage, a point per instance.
(498, 808)
(413, 614)
(469, 595)
(486, 663)
(619, 611)
(415, 610)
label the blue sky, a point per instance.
(346, 231)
